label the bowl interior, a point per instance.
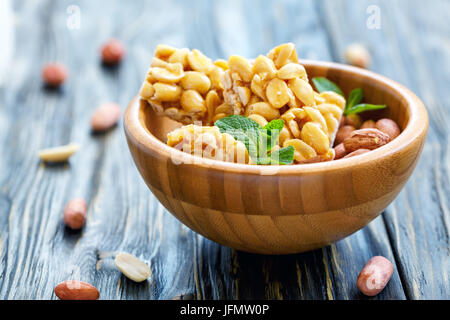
(347, 78)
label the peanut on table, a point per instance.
(189, 87)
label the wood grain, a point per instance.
(36, 252)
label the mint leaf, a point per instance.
(277, 124)
(354, 98)
(323, 84)
(236, 122)
(271, 131)
(281, 157)
(257, 140)
(242, 129)
(363, 107)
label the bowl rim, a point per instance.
(415, 128)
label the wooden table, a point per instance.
(411, 46)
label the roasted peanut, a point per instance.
(358, 55)
(112, 52)
(75, 213)
(276, 93)
(353, 120)
(365, 139)
(76, 290)
(166, 92)
(105, 117)
(368, 124)
(58, 154)
(356, 152)
(303, 151)
(339, 151)
(196, 81)
(375, 275)
(291, 71)
(54, 74)
(264, 67)
(315, 137)
(241, 66)
(199, 62)
(389, 127)
(191, 100)
(302, 90)
(343, 133)
(264, 109)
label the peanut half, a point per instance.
(58, 154)
(365, 139)
(132, 267)
(76, 290)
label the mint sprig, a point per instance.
(322, 84)
(259, 141)
(353, 105)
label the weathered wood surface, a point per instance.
(37, 251)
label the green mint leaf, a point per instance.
(242, 129)
(277, 124)
(236, 122)
(354, 98)
(363, 107)
(271, 131)
(283, 155)
(279, 157)
(323, 84)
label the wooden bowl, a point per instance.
(282, 209)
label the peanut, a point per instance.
(358, 55)
(76, 290)
(365, 139)
(344, 133)
(389, 127)
(374, 276)
(54, 74)
(112, 52)
(105, 117)
(356, 153)
(58, 154)
(339, 151)
(132, 267)
(75, 213)
(368, 124)
(353, 120)
(277, 93)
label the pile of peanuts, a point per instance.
(208, 142)
(188, 87)
(355, 137)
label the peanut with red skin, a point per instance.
(105, 117)
(356, 153)
(343, 133)
(368, 124)
(76, 290)
(365, 139)
(54, 74)
(75, 213)
(374, 276)
(353, 120)
(339, 151)
(112, 52)
(389, 127)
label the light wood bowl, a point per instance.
(282, 209)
